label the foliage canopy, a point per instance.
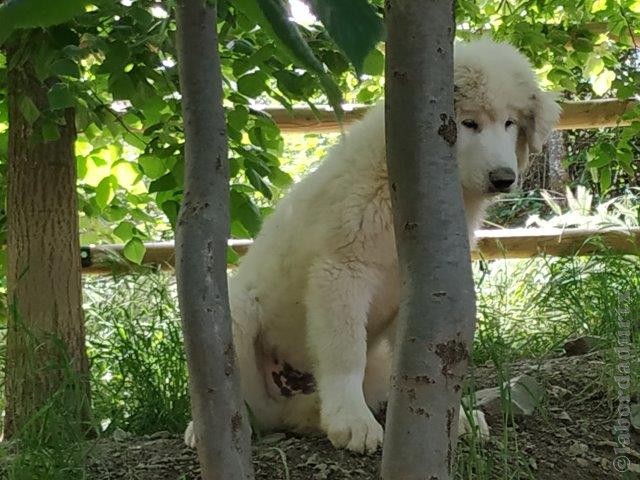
(116, 66)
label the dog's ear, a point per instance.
(535, 124)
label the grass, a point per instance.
(138, 361)
(526, 309)
(51, 444)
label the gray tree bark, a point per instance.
(221, 426)
(437, 314)
(556, 152)
(545, 169)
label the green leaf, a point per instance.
(252, 84)
(122, 87)
(117, 56)
(600, 155)
(594, 66)
(582, 45)
(354, 25)
(258, 183)
(50, 131)
(134, 250)
(238, 117)
(374, 63)
(126, 173)
(16, 14)
(292, 42)
(605, 179)
(28, 109)
(232, 256)
(124, 231)
(60, 97)
(279, 178)
(163, 184)
(105, 192)
(65, 67)
(602, 82)
(244, 210)
(171, 209)
(152, 167)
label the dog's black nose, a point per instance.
(502, 178)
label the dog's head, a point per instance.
(502, 115)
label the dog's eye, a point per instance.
(472, 124)
(508, 123)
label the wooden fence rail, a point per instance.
(492, 245)
(575, 115)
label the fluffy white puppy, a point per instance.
(315, 299)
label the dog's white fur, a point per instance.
(319, 288)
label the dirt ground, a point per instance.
(569, 437)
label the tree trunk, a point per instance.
(221, 427)
(556, 153)
(46, 356)
(437, 314)
(545, 170)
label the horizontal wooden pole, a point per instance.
(492, 245)
(575, 115)
(556, 242)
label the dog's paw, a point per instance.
(359, 432)
(479, 423)
(190, 436)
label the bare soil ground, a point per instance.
(570, 437)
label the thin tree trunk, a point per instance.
(545, 169)
(437, 314)
(45, 335)
(220, 423)
(556, 152)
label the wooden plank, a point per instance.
(492, 245)
(557, 242)
(575, 115)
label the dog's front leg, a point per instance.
(338, 297)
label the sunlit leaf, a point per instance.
(134, 250)
(602, 82)
(153, 167)
(125, 173)
(374, 63)
(124, 231)
(594, 66)
(105, 191)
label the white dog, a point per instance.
(314, 300)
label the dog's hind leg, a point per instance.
(265, 412)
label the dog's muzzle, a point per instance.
(501, 179)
